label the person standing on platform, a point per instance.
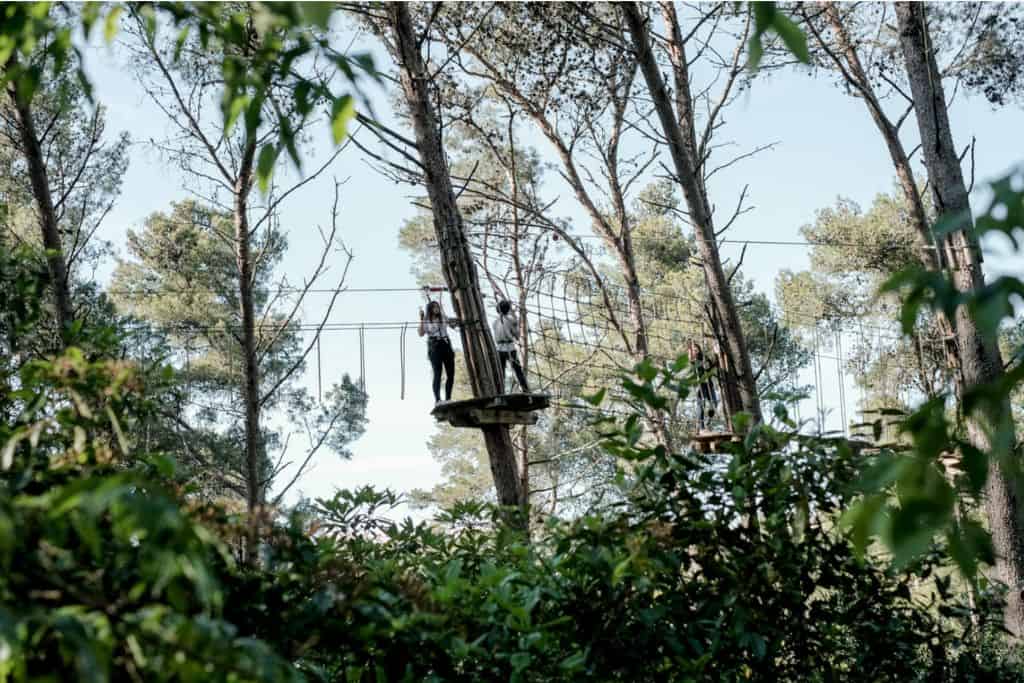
(434, 325)
(506, 332)
(706, 391)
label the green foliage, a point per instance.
(671, 582)
(260, 45)
(908, 500)
(34, 44)
(102, 574)
(768, 17)
(105, 576)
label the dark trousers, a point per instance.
(440, 353)
(511, 357)
(706, 392)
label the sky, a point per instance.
(827, 147)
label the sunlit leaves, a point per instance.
(261, 44)
(35, 45)
(343, 110)
(110, 24)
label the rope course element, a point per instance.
(564, 306)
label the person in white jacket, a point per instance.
(506, 331)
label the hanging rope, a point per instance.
(319, 373)
(401, 356)
(362, 358)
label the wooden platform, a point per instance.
(711, 442)
(506, 409)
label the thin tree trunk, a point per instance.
(980, 360)
(686, 171)
(31, 149)
(456, 259)
(250, 377)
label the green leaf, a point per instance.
(975, 466)
(317, 13)
(28, 83)
(792, 36)
(574, 662)
(265, 165)
(112, 23)
(645, 370)
(755, 52)
(681, 363)
(235, 107)
(914, 525)
(864, 519)
(303, 103)
(951, 222)
(90, 14)
(343, 109)
(595, 399)
(179, 42)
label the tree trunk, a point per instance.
(251, 378)
(855, 75)
(980, 361)
(33, 153)
(678, 132)
(456, 259)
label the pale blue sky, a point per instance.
(828, 147)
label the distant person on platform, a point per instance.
(506, 332)
(434, 324)
(706, 391)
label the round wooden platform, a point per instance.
(505, 409)
(712, 442)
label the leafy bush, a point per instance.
(101, 573)
(707, 567)
(676, 582)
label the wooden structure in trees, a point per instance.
(712, 442)
(505, 409)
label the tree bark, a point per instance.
(680, 136)
(980, 360)
(247, 311)
(456, 259)
(31, 149)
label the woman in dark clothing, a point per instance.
(434, 325)
(706, 390)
